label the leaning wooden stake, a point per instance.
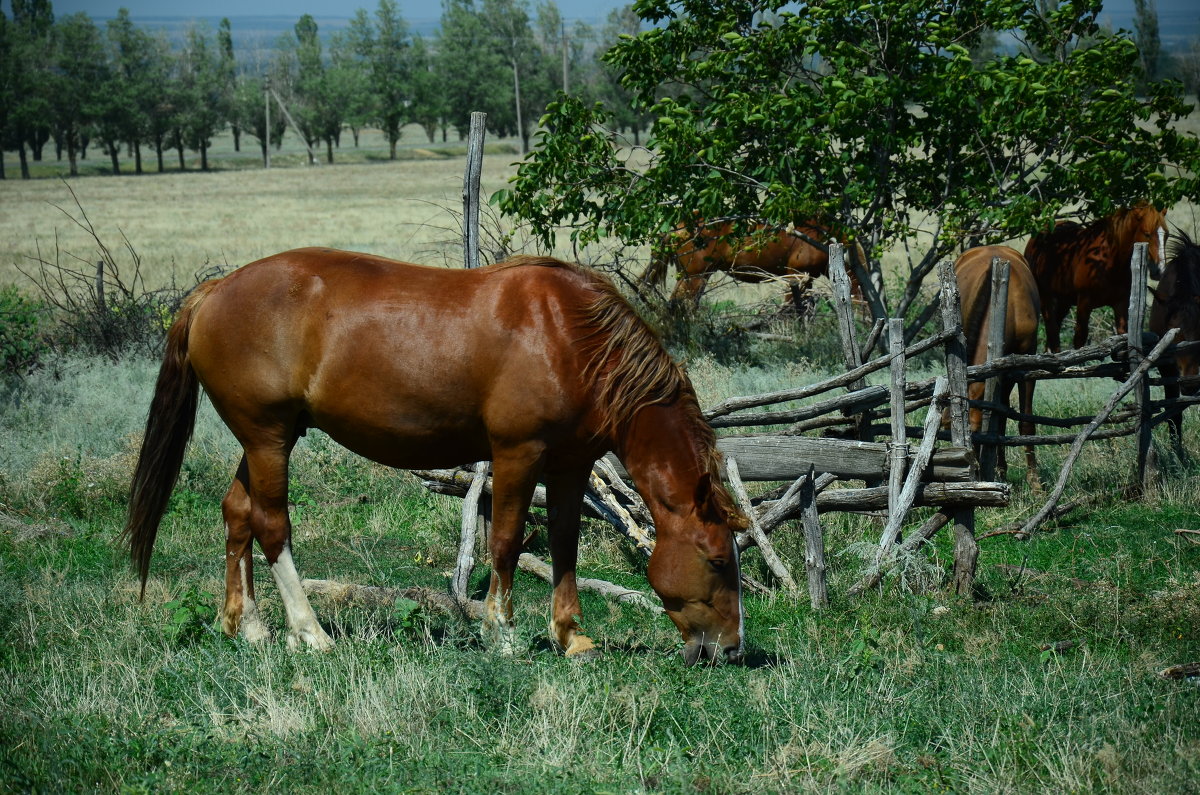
(898, 511)
(1077, 447)
(774, 563)
(467, 534)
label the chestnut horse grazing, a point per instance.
(761, 256)
(1088, 267)
(973, 272)
(533, 364)
(1177, 305)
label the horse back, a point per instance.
(409, 365)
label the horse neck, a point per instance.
(666, 457)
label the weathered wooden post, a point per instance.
(966, 548)
(814, 543)
(1144, 473)
(844, 310)
(998, 313)
(476, 511)
(898, 450)
(471, 189)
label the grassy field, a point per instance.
(907, 689)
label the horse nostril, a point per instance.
(734, 654)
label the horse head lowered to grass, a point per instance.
(1088, 267)
(765, 253)
(536, 365)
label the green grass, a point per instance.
(888, 693)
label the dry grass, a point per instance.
(183, 222)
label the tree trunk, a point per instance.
(517, 94)
(391, 147)
(237, 138)
(158, 150)
(179, 149)
(74, 167)
(2, 174)
(24, 160)
(329, 150)
(137, 157)
(203, 156)
(114, 152)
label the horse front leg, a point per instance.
(1083, 318)
(564, 495)
(514, 477)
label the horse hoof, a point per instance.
(313, 641)
(582, 649)
(254, 632)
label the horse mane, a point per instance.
(1122, 224)
(1184, 255)
(632, 369)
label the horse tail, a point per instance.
(168, 429)
(655, 274)
(974, 314)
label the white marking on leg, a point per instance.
(301, 618)
(253, 629)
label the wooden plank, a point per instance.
(814, 545)
(898, 450)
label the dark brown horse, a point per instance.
(533, 364)
(1177, 305)
(1088, 267)
(762, 255)
(973, 271)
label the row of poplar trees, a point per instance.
(73, 84)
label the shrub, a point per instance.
(22, 341)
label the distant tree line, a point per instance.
(127, 91)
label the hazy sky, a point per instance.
(1177, 17)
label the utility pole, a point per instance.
(267, 133)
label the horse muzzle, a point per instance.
(695, 651)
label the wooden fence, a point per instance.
(872, 460)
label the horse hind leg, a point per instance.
(564, 493)
(271, 526)
(240, 612)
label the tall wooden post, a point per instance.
(966, 548)
(898, 451)
(471, 189)
(1137, 314)
(998, 314)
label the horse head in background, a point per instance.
(698, 250)
(973, 272)
(1088, 267)
(1177, 305)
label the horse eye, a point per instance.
(717, 564)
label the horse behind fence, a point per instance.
(1088, 267)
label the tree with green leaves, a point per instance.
(350, 76)
(33, 54)
(512, 37)
(228, 76)
(871, 117)
(386, 45)
(77, 89)
(1145, 33)
(202, 112)
(134, 89)
(473, 74)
